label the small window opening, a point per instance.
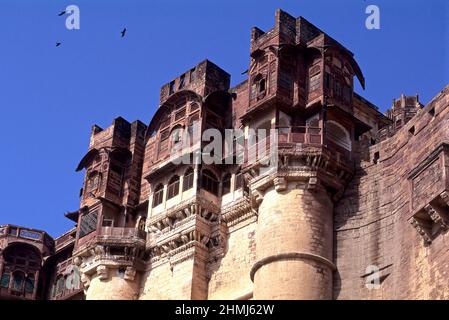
(172, 87)
(182, 81)
(376, 157)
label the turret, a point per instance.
(110, 238)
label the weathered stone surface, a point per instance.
(349, 191)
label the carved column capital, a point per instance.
(313, 183)
(130, 273)
(280, 184)
(85, 280)
(103, 272)
(257, 197)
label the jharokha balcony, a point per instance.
(300, 151)
(112, 237)
(296, 140)
(111, 246)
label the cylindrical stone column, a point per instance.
(294, 242)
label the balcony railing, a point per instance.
(122, 232)
(65, 239)
(300, 134)
(285, 135)
(106, 234)
(20, 232)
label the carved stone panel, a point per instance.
(428, 180)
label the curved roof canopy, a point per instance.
(88, 158)
(174, 100)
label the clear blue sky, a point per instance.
(50, 96)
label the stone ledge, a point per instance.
(291, 256)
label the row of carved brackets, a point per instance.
(432, 214)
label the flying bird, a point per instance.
(123, 32)
(58, 44)
(62, 13)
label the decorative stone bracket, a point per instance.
(423, 228)
(433, 218)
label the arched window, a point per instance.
(26, 256)
(258, 87)
(173, 187)
(141, 225)
(226, 184)
(339, 135)
(188, 180)
(238, 181)
(29, 284)
(18, 279)
(158, 196)
(60, 283)
(4, 282)
(209, 182)
(76, 278)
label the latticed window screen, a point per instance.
(29, 284)
(88, 223)
(60, 285)
(173, 187)
(188, 180)
(4, 281)
(315, 82)
(17, 281)
(337, 134)
(158, 196)
(227, 184)
(209, 182)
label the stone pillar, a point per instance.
(294, 242)
(113, 284)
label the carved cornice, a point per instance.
(175, 216)
(311, 165)
(238, 212)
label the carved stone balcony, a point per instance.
(10, 234)
(116, 248)
(429, 194)
(312, 164)
(114, 237)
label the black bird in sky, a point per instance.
(123, 32)
(58, 44)
(62, 13)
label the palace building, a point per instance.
(357, 206)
